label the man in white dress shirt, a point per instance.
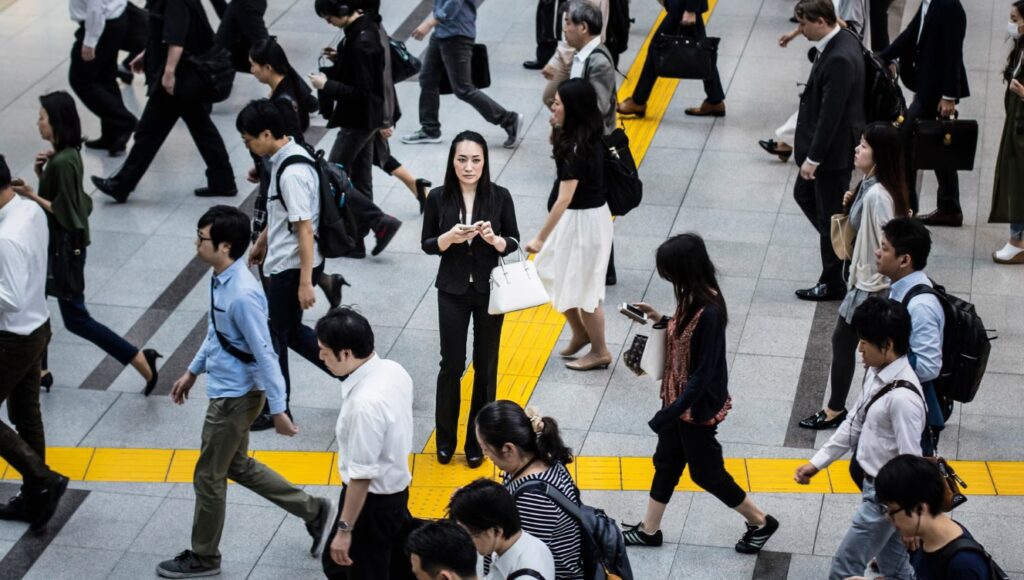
(886, 421)
(374, 442)
(24, 333)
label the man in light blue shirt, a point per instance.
(242, 374)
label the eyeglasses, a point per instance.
(890, 511)
(203, 239)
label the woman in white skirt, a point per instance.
(574, 245)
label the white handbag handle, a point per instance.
(501, 262)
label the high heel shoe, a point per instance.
(46, 381)
(334, 296)
(580, 365)
(151, 355)
(422, 187)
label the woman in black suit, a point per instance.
(469, 222)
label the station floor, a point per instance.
(130, 457)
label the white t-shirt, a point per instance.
(300, 190)
(527, 553)
(24, 243)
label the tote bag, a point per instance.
(515, 286)
(653, 360)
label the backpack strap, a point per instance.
(554, 494)
(290, 160)
(897, 384)
(964, 544)
(526, 573)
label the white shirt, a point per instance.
(527, 553)
(24, 244)
(300, 190)
(375, 426)
(579, 60)
(95, 13)
(892, 427)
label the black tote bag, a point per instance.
(684, 57)
(945, 144)
(481, 74)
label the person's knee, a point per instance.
(465, 92)
(76, 324)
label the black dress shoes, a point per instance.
(821, 293)
(772, 147)
(110, 187)
(115, 146)
(444, 457)
(820, 420)
(385, 231)
(953, 219)
(533, 65)
(475, 460)
(210, 192)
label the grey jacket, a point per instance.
(600, 72)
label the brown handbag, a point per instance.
(842, 236)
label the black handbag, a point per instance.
(945, 144)
(205, 78)
(403, 64)
(65, 272)
(684, 57)
(481, 75)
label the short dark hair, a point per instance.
(908, 481)
(485, 504)
(259, 116)
(443, 545)
(879, 320)
(345, 329)
(5, 173)
(64, 121)
(909, 236)
(813, 10)
(583, 12)
(227, 225)
(340, 8)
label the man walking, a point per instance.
(374, 441)
(180, 27)
(24, 334)
(591, 60)
(931, 63)
(451, 51)
(92, 73)
(828, 128)
(242, 374)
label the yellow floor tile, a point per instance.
(776, 476)
(3, 468)
(839, 475)
(135, 465)
(1008, 477)
(636, 473)
(600, 473)
(429, 502)
(335, 474)
(299, 467)
(975, 474)
(427, 472)
(736, 468)
(183, 466)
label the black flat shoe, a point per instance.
(422, 188)
(820, 420)
(334, 296)
(385, 231)
(474, 459)
(210, 192)
(533, 65)
(444, 457)
(46, 381)
(820, 293)
(110, 187)
(151, 356)
(771, 147)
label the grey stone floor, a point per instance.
(700, 175)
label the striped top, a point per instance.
(548, 523)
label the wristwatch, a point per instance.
(344, 527)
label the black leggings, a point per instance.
(681, 443)
(844, 358)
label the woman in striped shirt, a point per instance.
(528, 447)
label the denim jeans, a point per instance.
(871, 535)
(79, 322)
(453, 55)
(1017, 232)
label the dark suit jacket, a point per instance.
(354, 94)
(475, 257)
(831, 116)
(934, 67)
(698, 6)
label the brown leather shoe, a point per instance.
(939, 217)
(632, 108)
(707, 110)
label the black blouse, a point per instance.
(589, 171)
(475, 258)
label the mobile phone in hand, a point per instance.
(633, 312)
(17, 182)
(465, 228)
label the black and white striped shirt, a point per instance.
(548, 523)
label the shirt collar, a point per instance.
(282, 152)
(226, 276)
(893, 370)
(588, 48)
(353, 380)
(899, 288)
(828, 38)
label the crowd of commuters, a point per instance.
(507, 529)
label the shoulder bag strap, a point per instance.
(554, 494)
(525, 573)
(225, 344)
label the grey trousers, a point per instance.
(871, 535)
(454, 56)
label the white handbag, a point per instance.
(653, 360)
(515, 286)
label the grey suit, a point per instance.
(599, 70)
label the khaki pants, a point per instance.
(224, 454)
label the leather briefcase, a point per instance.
(945, 144)
(685, 57)
(481, 71)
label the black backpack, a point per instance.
(965, 345)
(336, 234)
(616, 34)
(622, 186)
(883, 98)
(604, 548)
(962, 544)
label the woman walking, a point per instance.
(67, 208)
(469, 222)
(882, 195)
(1008, 188)
(694, 397)
(575, 242)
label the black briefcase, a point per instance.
(945, 144)
(481, 74)
(684, 57)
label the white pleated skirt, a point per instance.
(574, 260)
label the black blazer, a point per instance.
(831, 116)
(476, 257)
(698, 6)
(354, 94)
(934, 67)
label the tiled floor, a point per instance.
(700, 175)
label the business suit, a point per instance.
(241, 26)
(672, 24)
(828, 128)
(599, 71)
(463, 291)
(933, 67)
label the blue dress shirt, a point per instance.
(240, 306)
(927, 321)
(455, 18)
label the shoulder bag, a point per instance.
(65, 276)
(842, 236)
(515, 286)
(685, 57)
(480, 67)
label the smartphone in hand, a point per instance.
(633, 312)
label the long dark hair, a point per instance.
(887, 153)
(1018, 45)
(501, 422)
(683, 260)
(583, 124)
(64, 122)
(453, 190)
(267, 52)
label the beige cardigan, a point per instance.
(878, 210)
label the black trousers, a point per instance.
(819, 198)
(844, 360)
(95, 82)
(382, 156)
(24, 447)
(681, 444)
(879, 24)
(286, 323)
(948, 194)
(672, 24)
(378, 540)
(454, 312)
(548, 28)
(353, 148)
(158, 118)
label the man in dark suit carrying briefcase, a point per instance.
(828, 129)
(931, 56)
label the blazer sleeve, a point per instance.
(954, 30)
(837, 85)
(509, 226)
(431, 224)
(899, 45)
